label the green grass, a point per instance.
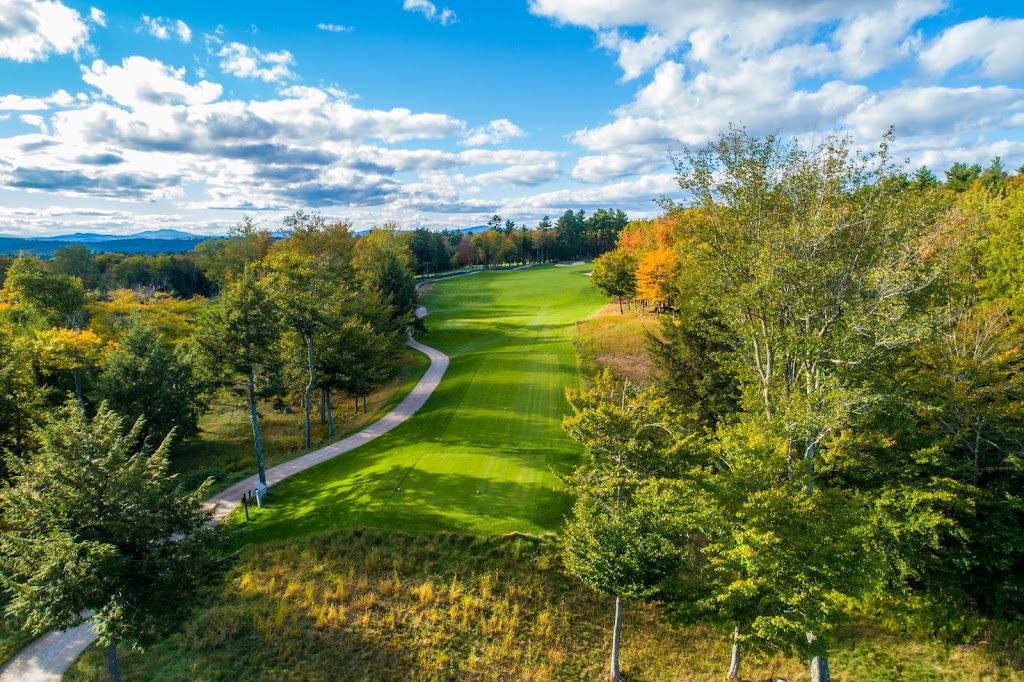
(225, 448)
(479, 456)
(364, 604)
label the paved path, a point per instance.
(46, 659)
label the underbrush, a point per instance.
(365, 604)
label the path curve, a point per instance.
(46, 659)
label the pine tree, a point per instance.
(94, 523)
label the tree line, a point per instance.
(838, 419)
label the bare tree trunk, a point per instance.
(330, 414)
(112, 665)
(78, 389)
(819, 669)
(734, 663)
(613, 668)
(256, 432)
(323, 406)
(309, 391)
(364, 403)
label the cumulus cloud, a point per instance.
(496, 132)
(797, 68)
(163, 28)
(139, 81)
(334, 28)
(32, 30)
(993, 44)
(430, 11)
(19, 103)
(248, 62)
(97, 16)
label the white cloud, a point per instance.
(141, 82)
(97, 16)
(429, 10)
(640, 192)
(32, 30)
(496, 132)
(605, 167)
(34, 120)
(993, 43)
(163, 28)
(19, 103)
(935, 110)
(334, 28)
(183, 31)
(248, 62)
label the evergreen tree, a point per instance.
(93, 523)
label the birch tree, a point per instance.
(236, 338)
(616, 542)
(815, 256)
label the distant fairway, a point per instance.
(478, 457)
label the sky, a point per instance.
(117, 117)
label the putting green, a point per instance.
(478, 457)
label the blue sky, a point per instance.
(117, 117)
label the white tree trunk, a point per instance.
(613, 668)
(734, 663)
(309, 392)
(819, 669)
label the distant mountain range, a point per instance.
(147, 241)
(92, 237)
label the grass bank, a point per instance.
(364, 604)
(478, 457)
(610, 338)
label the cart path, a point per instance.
(46, 659)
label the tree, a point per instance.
(308, 289)
(21, 399)
(93, 522)
(53, 298)
(464, 251)
(615, 275)
(656, 273)
(995, 176)
(615, 542)
(222, 259)
(75, 260)
(815, 256)
(385, 264)
(237, 337)
(924, 179)
(144, 375)
(961, 176)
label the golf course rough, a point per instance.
(480, 456)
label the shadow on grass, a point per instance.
(404, 496)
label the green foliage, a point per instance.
(237, 335)
(52, 298)
(144, 375)
(615, 275)
(91, 522)
(961, 176)
(385, 263)
(222, 259)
